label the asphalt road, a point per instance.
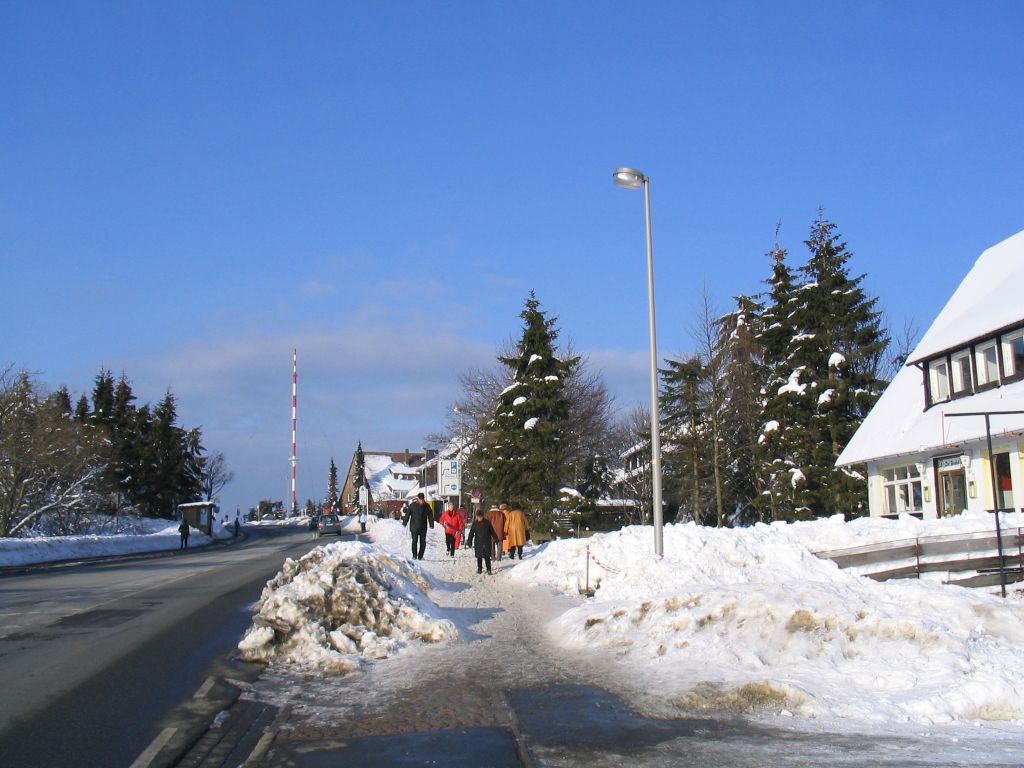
(92, 656)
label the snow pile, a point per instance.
(50, 549)
(749, 619)
(340, 604)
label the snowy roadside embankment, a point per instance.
(749, 619)
(48, 549)
(340, 604)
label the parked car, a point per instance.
(328, 524)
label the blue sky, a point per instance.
(190, 190)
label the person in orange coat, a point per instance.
(517, 532)
(497, 520)
(452, 524)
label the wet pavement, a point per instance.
(578, 725)
(504, 695)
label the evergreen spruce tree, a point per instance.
(359, 475)
(781, 481)
(61, 400)
(103, 398)
(523, 453)
(850, 346)
(331, 502)
(741, 415)
(686, 464)
(823, 348)
(171, 457)
(82, 410)
(126, 450)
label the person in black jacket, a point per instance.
(417, 517)
(481, 537)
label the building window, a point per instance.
(1013, 353)
(902, 489)
(938, 379)
(986, 359)
(1004, 483)
(962, 372)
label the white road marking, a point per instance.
(147, 757)
(204, 688)
(260, 749)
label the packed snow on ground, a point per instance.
(751, 620)
(342, 604)
(162, 534)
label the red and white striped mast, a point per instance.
(295, 402)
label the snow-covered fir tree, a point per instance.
(331, 501)
(741, 369)
(524, 446)
(686, 448)
(822, 343)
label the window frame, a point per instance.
(902, 488)
(957, 360)
(981, 363)
(933, 380)
(1006, 347)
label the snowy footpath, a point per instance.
(738, 625)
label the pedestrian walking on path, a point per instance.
(482, 538)
(496, 517)
(461, 533)
(417, 517)
(183, 530)
(452, 525)
(517, 532)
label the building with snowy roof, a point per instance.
(921, 458)
(391, 475)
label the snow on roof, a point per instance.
(898, 425)
(987, 299)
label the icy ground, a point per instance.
(745, 624)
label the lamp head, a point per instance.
(629, 178)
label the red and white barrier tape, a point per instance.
(609, 568)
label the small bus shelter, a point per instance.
(200, 515)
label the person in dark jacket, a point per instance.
(183, 530)
(417, 517)
(482, 538)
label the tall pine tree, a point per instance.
(686, 453)
(331, 502)
(822, 343)
(523, 453)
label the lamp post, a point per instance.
(630, 178)
(462, 440)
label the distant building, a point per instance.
(391, 475)
(924, 461)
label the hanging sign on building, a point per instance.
(949, 463)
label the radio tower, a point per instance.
(295, 401)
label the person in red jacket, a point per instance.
(452, 524)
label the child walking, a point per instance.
(482, 538)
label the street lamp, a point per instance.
(630, 178)
(462, 440)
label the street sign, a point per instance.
(449, 477)
(364, 496)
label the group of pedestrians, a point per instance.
(491, 534)
(498, 531)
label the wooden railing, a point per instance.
(956, 555)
